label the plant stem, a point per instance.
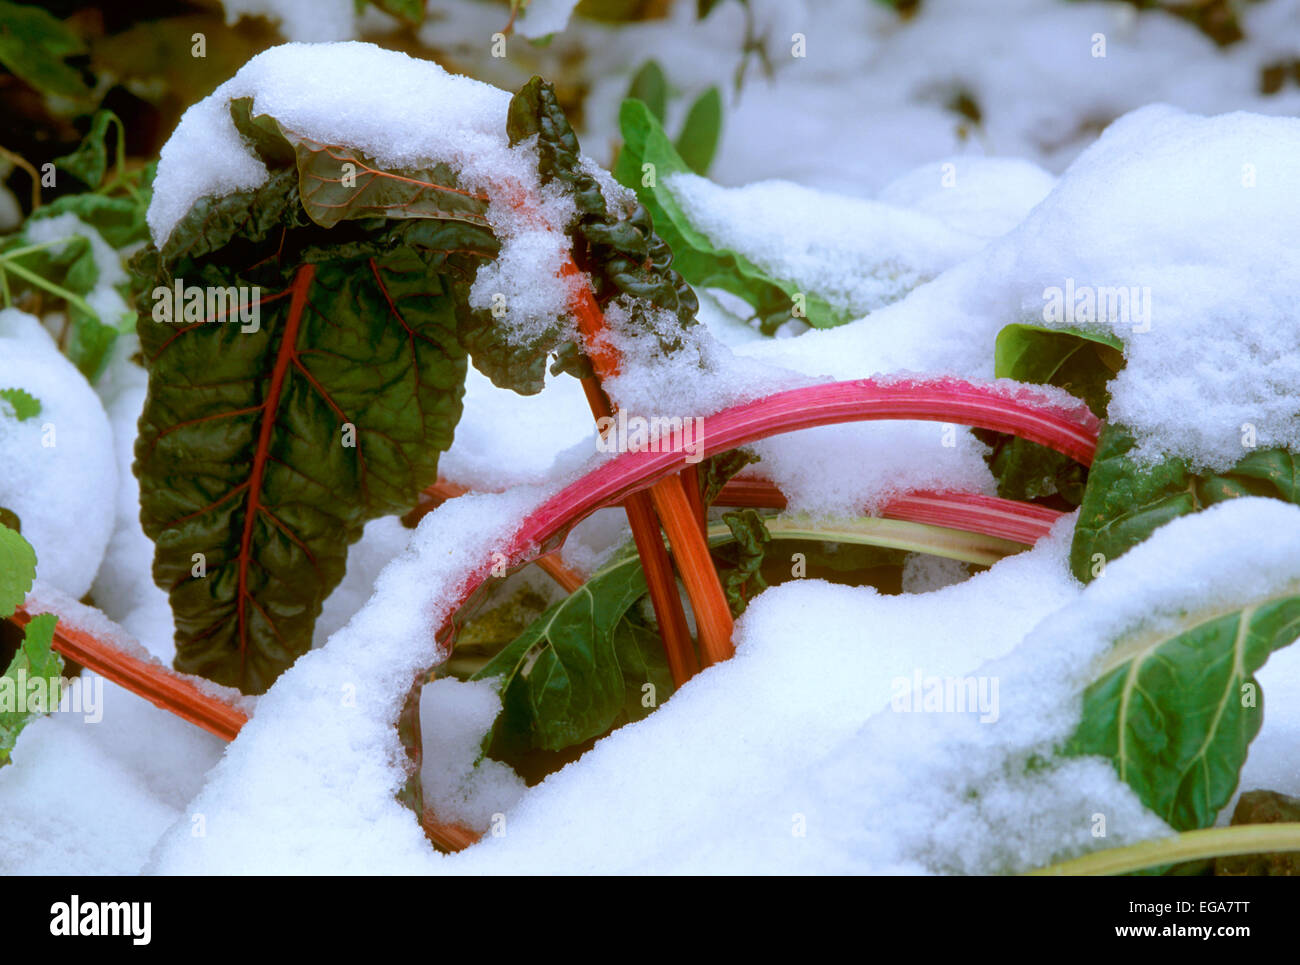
(974, 513)
(50, 287)
(1188, 846)
(954, 544)
(157, 684)
(669, 502)
(660, 581)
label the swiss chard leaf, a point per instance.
(35, 658)
(617, 247)
(580, 667)
(1175, 712)
(1081, 362)
(1126, 501)
(647, 159)
(752, 537)
(266, 446)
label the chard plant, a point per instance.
(264, 449)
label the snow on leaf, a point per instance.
(1126, 501)
(1175, 711)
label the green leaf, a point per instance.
(698, 141)
(266, 451)
(68, 272)
(17, 568)
(752, 537)
(716, 471)
(700, 262)
(35, 45)
(1175, 711)
(35, 659)
(1080, 362)
(89, 162)
(651, 88)
(1125, 502)
(580, 667)
(25, 405)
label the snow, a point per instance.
(309, 21)
(57, 472)
(856, 254)
(848, 172)
(461, 785)
(404, 113)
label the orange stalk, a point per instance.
(689, 544)
(161, 686)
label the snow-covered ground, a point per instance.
(1157, 166)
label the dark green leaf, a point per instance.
(1125, 502)
(579, 666)
(751, 538)
(1175, 712)
(1078, 361)
(715, 471)
(698, 141)
(34, 659)
(243, 454)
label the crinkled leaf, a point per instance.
(17, 567)
(700, 262)
(716, 471)
(25, 405)
(1125, 501)
(35, 46)
(618, 248)
(1175, 711)
(698, 141)
(579, 666)
(751, 536)
(35, 658)
(338, 183)
(243, 454)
